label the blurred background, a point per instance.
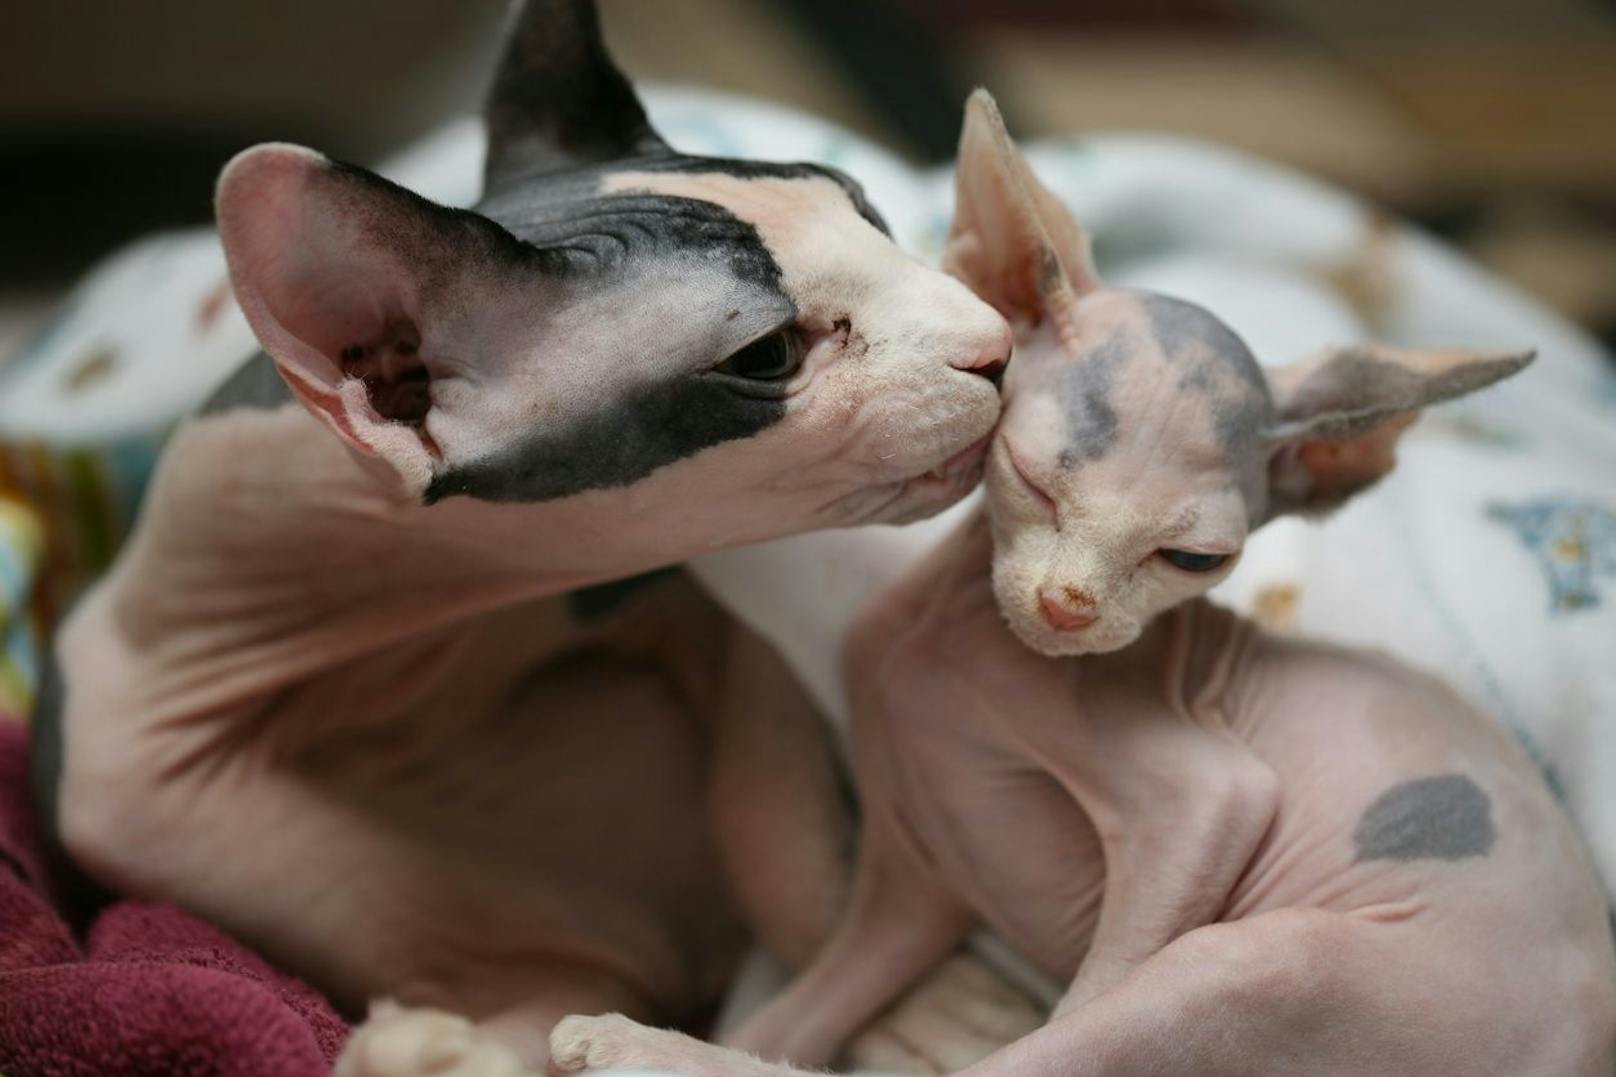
(1492, 122)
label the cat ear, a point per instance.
(558, 101)
(1339, 415)
(359, 290)
(1012, 241)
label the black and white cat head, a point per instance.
(614, 315)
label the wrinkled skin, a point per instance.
(333, 696)
(1243, 854)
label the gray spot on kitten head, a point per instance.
(1215, 362)
(1447, 817)
(1196, 337)
(1085, 390)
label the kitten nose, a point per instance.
(1067, 611)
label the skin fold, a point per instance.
(344, 693)
(1242, 853)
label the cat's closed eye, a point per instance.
(775, 357)
(1193, 562)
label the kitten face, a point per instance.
(1140, 440)
(1122, 478)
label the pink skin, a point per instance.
(386, 702)
(1245, 854)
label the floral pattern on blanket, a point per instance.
(1574, 543)
(20, 541)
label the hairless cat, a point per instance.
(1244, 854)
(334, 695)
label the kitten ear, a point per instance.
(1338, 416)
(361, 292)
(558, 101)
(1012, 241)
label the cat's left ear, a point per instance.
(363, 293)
(558, 102)
(1338, 416)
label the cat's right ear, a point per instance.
(1012, 241)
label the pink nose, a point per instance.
(1069, 611)
(991, 361)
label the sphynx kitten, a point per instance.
(341, 694)
(1245, 854)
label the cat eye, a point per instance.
(772, 358)
(1194, 562)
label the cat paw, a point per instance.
(613, 1042)
(399, 1042)
(960, 1014)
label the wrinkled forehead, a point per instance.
(1148, 369)
(589, 230)
(768, 226)
(807, 222)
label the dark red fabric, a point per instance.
(150, 990)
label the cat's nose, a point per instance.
(994, 356)
(1068, 609)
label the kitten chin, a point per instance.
(1058, 644)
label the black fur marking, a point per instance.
(617, 444)
(1447, 817)
(589, 603)
(256, 385)
(576, 237)
(1086, 384)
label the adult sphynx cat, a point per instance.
(332, 697)
(1245, 854)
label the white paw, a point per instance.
(960, 1014)
(613, 1042)
(395, 1042)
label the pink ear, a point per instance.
(327, 262)
(1012, 240)
(1340, 414)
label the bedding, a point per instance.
(1488, 557)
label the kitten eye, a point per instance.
(771, 358)
(1193, 562)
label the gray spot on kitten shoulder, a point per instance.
(1447, 817)
(1085, 390)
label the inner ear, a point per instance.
(1012, 241)
(396, 377)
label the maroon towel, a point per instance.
(149, 991)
